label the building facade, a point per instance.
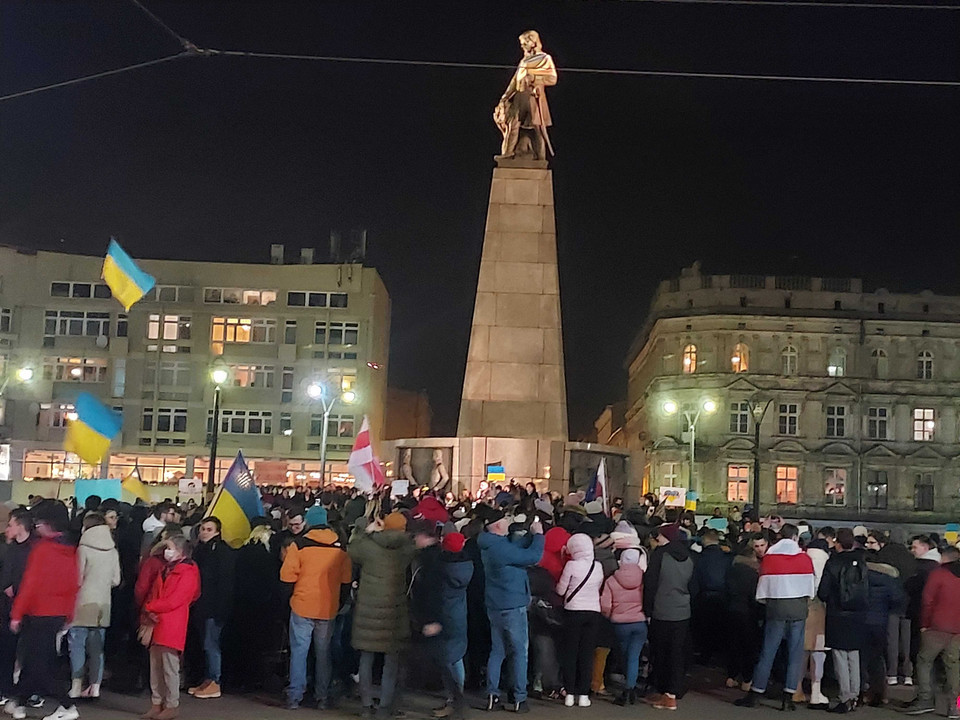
(276, 328)
(857, 395)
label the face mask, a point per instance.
(169, 554)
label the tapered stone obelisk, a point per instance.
(514, 383)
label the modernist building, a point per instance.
(860, 392)
(277, 328)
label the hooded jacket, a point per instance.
(578, 567)
(711, 570)
(886, 593)
(925, 564)
(317, 565)
(941, 600)
(456, 570)
(99, 569)
(622, 598)
(380, 617)
(553, 560)
(742, 584)
(786, 581)
(11, 573)
(50, 582)
(845, 628)
(168, 602)
(669, 583)
(506, 586)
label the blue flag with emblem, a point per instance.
(236, 503)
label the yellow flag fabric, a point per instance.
(133, 485)
(234, 524)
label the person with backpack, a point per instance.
(579, 586)
(845, 589)
(622, 602)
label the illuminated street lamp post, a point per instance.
(219, 375)
(708, 406)
(23, 375)
(319, 391)
(758, 409)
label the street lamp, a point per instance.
(318, 390)
(219, 375)
(758, 409)
(708, 406)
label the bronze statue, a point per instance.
(522, 114)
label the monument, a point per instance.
(513, 409)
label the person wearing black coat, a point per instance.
(708, 614)
(886, 600)
(744, 617)
(893, 551)
(216, 561)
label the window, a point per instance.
(239, 296)
(737, 483)
(788, 416)
(924, 424)
(168, 327)
(670, 473)
(320, 333)
(789, 360)
(241, 330)
(837, 365)
(343, 333)
(690, 359)
(85, 370)
(173, 373)
(925, 365)
(834, 487)
(60, 415)
(164, 420)
(74, 323)
(79, 290)
(252, 376)
(338, 300)
(923, 494)
(786, 484)
(244, 422)
(122, 325)
(878, 364)
(876, 493)
(286, 385)
(290, 332)
(6, 320)
(173, 293)
(337, 425)
(346, 379)
(119, 377)
(286, 423)
(740, 360)
(836, 421)
(739, 417)
(877, 423)
(303, 298)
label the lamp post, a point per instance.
(319, 391)
(219, 375)
(758, 409)
(23, 375)
(708, 406)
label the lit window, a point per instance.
(252, 376)
(836, 421)
(878, 364)
(924, 424)
(834, 486)
(788, 419)
(925, 365)
(837, 365)
(789, 360)
(740, 360)
(923, 492)
(241, 330)
(787, 484)
(81, 370)
(168, 327)
(737, 483)
(739, 417)
(877, 423)
(690, 359)
(876, 495)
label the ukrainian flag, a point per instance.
(89, 435)
(127, 282)
(237, 503)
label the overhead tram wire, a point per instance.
(806, 4)
(184, 43)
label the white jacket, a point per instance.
(580, 550)
(99, 566)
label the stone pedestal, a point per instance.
(514, 384)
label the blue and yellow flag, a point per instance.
(90, 433)
(237, 503)
(127, 282)
(133, 485)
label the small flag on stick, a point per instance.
(127, 282)
(597, 489)
(134, 485)
(236, 503)
(363, 464)
(90, 433)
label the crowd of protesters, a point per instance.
(514, 595)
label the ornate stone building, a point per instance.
(860, 392)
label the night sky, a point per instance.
(217, 158)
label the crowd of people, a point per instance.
(517, 594)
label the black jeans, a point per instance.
(743, 645)
(709, 615)
(668, 643)
(8, 658)
(580, 628)
(40, 671)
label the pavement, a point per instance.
(711, 701)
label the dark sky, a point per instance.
(216, 158)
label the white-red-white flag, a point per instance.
(363, 464)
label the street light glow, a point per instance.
(25, 374)
(315, 390)
(349, 396)
(709, 406)
(219, 375)
(670, 407)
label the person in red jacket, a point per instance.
(939, 633)
(168, 611)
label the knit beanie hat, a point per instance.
(630, 557)
(453, 542)
(671, 532)
(316, 516)
(395, 521)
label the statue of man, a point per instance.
(522, 113)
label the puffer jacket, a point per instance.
(317, 566)
(168, 602)
(553, 560)
(886, 593)
(622, 597)
(99, 568)
(580, 564)
(505, 563)
(380, 618)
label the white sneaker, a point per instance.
(908, 681)
(569, 700)
(584, 701)
(19, 713)
(62, 713)
(10, 706)
(891, 680)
